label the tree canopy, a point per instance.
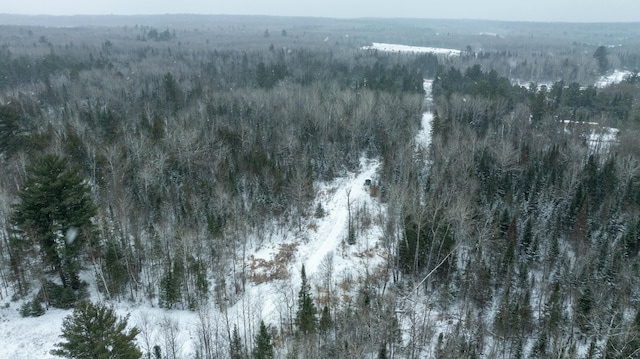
(95, 331)
(53, 218)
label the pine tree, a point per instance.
(115, 269)
(53, 217)
(306, 314)
(95, 331)
(264, 347)
(325, 320)
(10, 132)
(157, 352)
(601, 58)
(170, 293)
(236, 351)
(584, 306)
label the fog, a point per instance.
(529, 10)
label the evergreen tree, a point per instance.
(584, 307)
(10, 131)
(306, 314)
(325, 320)
(601, 58)
(264, 348)
(170, 293)
(53, 217)
(157, 352)
(95, 331)
(115, 269)
(236, 351)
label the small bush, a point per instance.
(32, 308)
(63, 297)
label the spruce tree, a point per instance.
(95, 331)
(52, 221)
(170, 284)
(10, 132)
(306, 314)
(236, 351)
(264, 347)
(325, 320)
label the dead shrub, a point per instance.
(263, 270)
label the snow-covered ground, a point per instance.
(324, 239)
(599, 138)
(415, 49)
(423, 137)
(319, 238)
(613, 78)
(25, 338)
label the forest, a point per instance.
(146, 161)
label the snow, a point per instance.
(333, 229)
(318, 239)
(321, 238)
(423, 137)
(527, 84)
(613, 78)
(29, 337)
(414, 49)
(600, 139)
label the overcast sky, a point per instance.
(517, 10)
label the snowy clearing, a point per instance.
(415, 49)
(616, 77)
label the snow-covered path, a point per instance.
(423, 137)
(319, 239)
(333, 229)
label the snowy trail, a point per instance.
(334, 228)
(423, 137)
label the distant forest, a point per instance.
(152, 156)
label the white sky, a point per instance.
(517, 10)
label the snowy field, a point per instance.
(613, 78)
(415, 49)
